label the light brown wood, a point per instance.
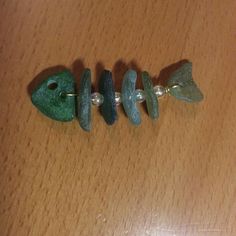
(175, 176)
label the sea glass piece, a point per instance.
(108, 107)
(128, 97)
(182, 86)
(84, 101)
(151, 98)
(50, 96)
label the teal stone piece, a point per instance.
(128, 97)
(182, 86)
(84, 101)
(50, 96)
(108, 107)
(151, 98)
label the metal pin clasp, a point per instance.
(72, 94)
(167, 89)
(65, 94)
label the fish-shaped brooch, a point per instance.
(57, 96)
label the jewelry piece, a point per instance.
(56, 97)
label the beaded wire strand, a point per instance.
(97, 98)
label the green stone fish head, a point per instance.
(182, 86)
(51, 99)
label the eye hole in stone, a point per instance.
(52, 85)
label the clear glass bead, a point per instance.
(159, 90)
(140, 95)
(118, 98)
(97, 99)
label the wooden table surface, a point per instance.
(176, 176)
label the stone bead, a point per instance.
(50, 96)
(97, 99)
(182, 86)
(151, 98)
(108, 107)
(128, 97)
(84, 101)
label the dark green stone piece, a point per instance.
(151, 98)
(49, 97)
(108, 107)
(182, 86)
(128, 97)
(84, 101)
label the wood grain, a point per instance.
(173, 177)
